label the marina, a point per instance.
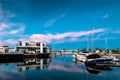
(56, 68)
(59, 39)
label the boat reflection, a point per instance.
(92, 69)
(97, 69)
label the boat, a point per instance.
(98, 60)
(114, 58)
(81, 56)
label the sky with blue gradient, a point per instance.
(61, 23)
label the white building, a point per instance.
(32, 47)
(4, 49)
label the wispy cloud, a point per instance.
(8, 29)
(21, 29)
(3, 26)
(62, 37)
(105, 16)
(64, 14)
(116, 31)
(5, 14)
(50, 23)
(11, 42)
(56, 38)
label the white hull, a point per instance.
(81, 57)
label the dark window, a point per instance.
(27, 44)
(20, 44)
(38, 44)
(43, 44)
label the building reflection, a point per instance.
(33, 64)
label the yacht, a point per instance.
(82, 56)
(98, 60)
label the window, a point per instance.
(38, 44)
(20, 44)
(27, 44)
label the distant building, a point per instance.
(11, 50)
(32, 47)
(97, 51)
(4, 49)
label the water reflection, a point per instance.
(93, 69)
(29, 64)
(96, 69)
(59, 68)
(33, 64)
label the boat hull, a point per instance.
(96, 62)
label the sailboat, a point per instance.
(114, 59)
(81, 56)
(96, 59)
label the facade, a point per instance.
(32, 47)
(4, 49)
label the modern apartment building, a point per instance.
(32, 47)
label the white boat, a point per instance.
(98, 60)
(81, 56)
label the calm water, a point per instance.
(59, 68)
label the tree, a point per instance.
(78, 50)
(64, 50)
(83, 50)
(116, 51)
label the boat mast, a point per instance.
(87, 44)
(106, 45)
(92, 39)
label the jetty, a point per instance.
(19, 57)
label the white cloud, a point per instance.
(62, 37)
(3, 26)
(10, 29)
(105, 16)
(11, 42)
(55, 38)
(21, 29)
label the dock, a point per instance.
(20, 57)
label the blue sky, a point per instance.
(60, 23)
